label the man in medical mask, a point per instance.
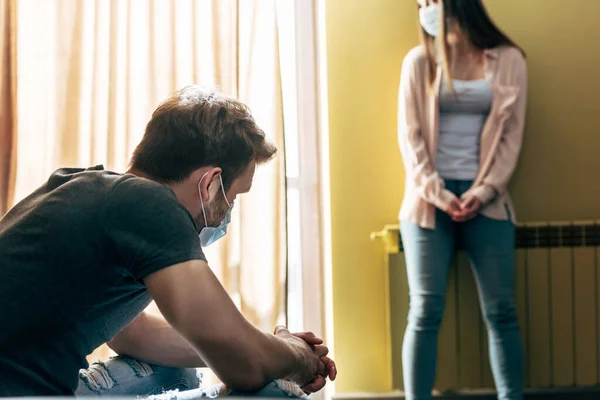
(82, 257)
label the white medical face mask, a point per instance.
(430, 18)
(208, 235)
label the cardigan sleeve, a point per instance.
(417, 161)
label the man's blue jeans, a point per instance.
(123, 376)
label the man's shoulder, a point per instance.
(130, 188)
(148, 226)
(80, 181)
(134, 197)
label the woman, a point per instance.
(461, 116)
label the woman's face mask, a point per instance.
(208, 235)
(429, 17)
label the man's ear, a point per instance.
(211, 185)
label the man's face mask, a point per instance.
(208, 235)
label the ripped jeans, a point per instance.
(125, 376)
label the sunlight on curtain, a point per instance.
(7, 103)
(90, 73)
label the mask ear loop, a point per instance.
(223, 190)
(202, 202)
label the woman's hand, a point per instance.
(468, 209)
(453, 208)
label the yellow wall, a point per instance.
(366, 41)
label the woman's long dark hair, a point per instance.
(475, 23)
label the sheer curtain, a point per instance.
(7, 103)
(88, 75)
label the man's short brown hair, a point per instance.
(199, 127)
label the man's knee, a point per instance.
(96, 379)
(124, 375)
(190, 378)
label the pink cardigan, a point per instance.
(500, 145)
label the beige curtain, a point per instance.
(90, 73)
(7, 103)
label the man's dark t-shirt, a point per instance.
(72, 258)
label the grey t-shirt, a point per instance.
(72, 258)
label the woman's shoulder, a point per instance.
(512, 67)
(510, 53)
(416, 56)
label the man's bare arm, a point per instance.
(151, 339)
(193, 301)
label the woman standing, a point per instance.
(461, 117)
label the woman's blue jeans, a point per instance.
(490, 246)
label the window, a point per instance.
(303, 66)
(300, 92)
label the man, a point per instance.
(82, 256)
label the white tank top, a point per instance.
(460, 125)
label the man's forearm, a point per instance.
(151, 339)
(195, 303)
